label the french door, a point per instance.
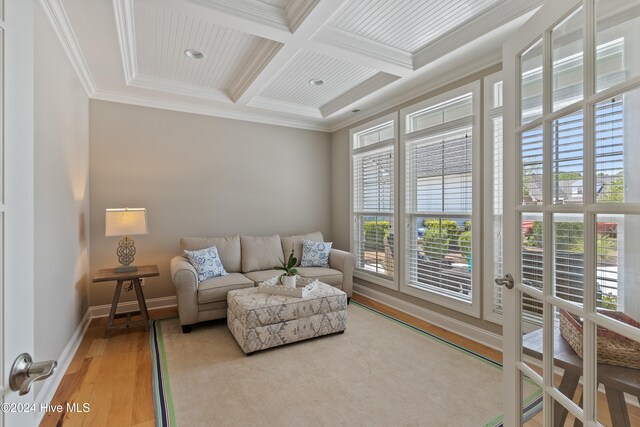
(16, 202)
(572, 214)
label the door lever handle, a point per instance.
(506, 281)
(25, 372)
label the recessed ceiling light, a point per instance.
(194, 54)
(355, 110)
(316, 82)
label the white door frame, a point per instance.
(18, 314)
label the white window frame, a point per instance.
(472, 308)
(490, 112)
(377, 279)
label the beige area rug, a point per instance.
(380, 372)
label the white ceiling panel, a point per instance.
(291, 84)
(162, 35)
(407, 24)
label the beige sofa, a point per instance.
(248, 261)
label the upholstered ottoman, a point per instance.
(259, 321)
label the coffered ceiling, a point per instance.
(261, 55)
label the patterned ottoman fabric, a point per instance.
(259, 321)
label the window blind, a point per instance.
(439, 209)
(373, 209)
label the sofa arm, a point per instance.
(185, 279)
(344, 262)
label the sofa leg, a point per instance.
(186, 329)
(348, 300)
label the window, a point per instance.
(373, 204)
(440, 165)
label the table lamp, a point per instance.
(124, 223)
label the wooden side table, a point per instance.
(617, 380)
(109, 275)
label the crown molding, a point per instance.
(388, 59)
(365, 88)
(164, 85)
(61, 26)
(226, 113)
(297, 10)
(123, 10)
(267, 51)
(493, 18)
(285, 107)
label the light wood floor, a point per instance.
(114, 375)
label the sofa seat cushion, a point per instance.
(261, 276)
(295, 242)
(213, 290)
(261, 252)
(326, 275)
(228, 249)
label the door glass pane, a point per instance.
(614, 406)
(567, 159)
(568, 245)
(617, 148)
(531, 326)
(566, 39)
(532, 255)
(532, 413)
(617, 266)
(531, 83)
(617, 41)
(532, 152)
(567, 362)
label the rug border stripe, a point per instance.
(163, 400)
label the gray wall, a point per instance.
(340, 156)
(200, 176)
(61, 194)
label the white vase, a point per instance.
(289, 281)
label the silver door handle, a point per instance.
(506, 281)
(25, 372)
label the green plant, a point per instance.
(374, 233)
(609, 302)
(534, 237)
(614, 192)
(438, 237)
(288, 268)
(464, 242)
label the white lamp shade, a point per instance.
(126, 222)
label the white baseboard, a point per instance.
(123, 307)
(50, 386)
(461, 328)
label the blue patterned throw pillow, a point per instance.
(206, 262)
(315, 254)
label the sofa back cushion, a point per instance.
(228, 249)
(261, 252)
(296, 242)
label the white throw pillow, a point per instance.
(206, 262)
(315, 254)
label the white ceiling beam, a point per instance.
(365, 88)
(332, 41)
(492, 18)
(261, 22)
(316, 18)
